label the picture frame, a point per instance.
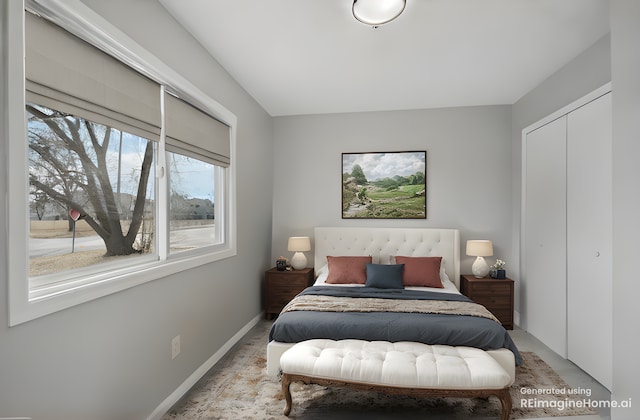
(384, 185)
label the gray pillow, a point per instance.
(385, 276)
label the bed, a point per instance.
(375, 311)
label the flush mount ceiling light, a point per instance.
(377, 12)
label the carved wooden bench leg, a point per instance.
(505, 400)
(286, 383)
(502, 394)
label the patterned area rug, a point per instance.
(239, 388)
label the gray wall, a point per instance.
(111, 358)
(468, 170)
(625, 63)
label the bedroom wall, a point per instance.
(468, 171)
(625, 63)
(585, 73)
(110, 358)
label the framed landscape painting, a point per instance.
(384, 185)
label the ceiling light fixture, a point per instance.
(377, 12)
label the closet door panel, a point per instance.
(589, 248)
(545, 234)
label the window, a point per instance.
(192, 203)
(197, 160)
(92, 194)
(127, 177)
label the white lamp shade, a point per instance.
(299, 243)
(479, 248)
(377, 12)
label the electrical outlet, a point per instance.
(175, 347)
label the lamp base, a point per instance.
(480, 268)
(298, 261)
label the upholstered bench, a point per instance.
(406, 368)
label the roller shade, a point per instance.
(67, 74)
(194, 133)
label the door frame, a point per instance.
(592, 96)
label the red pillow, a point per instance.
(344, 270)
(421, 271)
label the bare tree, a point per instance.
(39, 203)
(61, 173)
(72, 168)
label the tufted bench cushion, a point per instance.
(402, 367)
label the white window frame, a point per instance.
(83, 22)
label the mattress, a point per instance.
(427, 328)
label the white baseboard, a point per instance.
(175, 396)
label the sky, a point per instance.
(385, 165)
(191, 177)
(131, 163)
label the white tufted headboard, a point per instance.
(384, 243)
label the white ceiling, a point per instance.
(313, 57)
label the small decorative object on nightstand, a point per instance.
(494, 294)
(281, 264)
(497, 270)
(282, 286)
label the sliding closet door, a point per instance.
(589, 262)
(545, 234)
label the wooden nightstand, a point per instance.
(494, 294)
(282, 286)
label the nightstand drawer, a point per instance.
(281, 293)
(280, 277)
(504, 316)
(282, 286)
(493, 301)
(494, 294)
(285, 282)
(493, 289)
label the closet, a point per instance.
(566, 232)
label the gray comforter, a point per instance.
(453, 330)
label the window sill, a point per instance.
(46, 300)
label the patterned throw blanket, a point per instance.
(348, 304)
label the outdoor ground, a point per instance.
(51, 244)
(55, 263)
(45, 229)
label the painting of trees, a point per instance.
(387, 185)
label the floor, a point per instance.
(574, 376)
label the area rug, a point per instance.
(239, 388)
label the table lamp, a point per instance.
(299, 244)
(479, 248)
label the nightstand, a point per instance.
(282, 286)
(494, 294)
